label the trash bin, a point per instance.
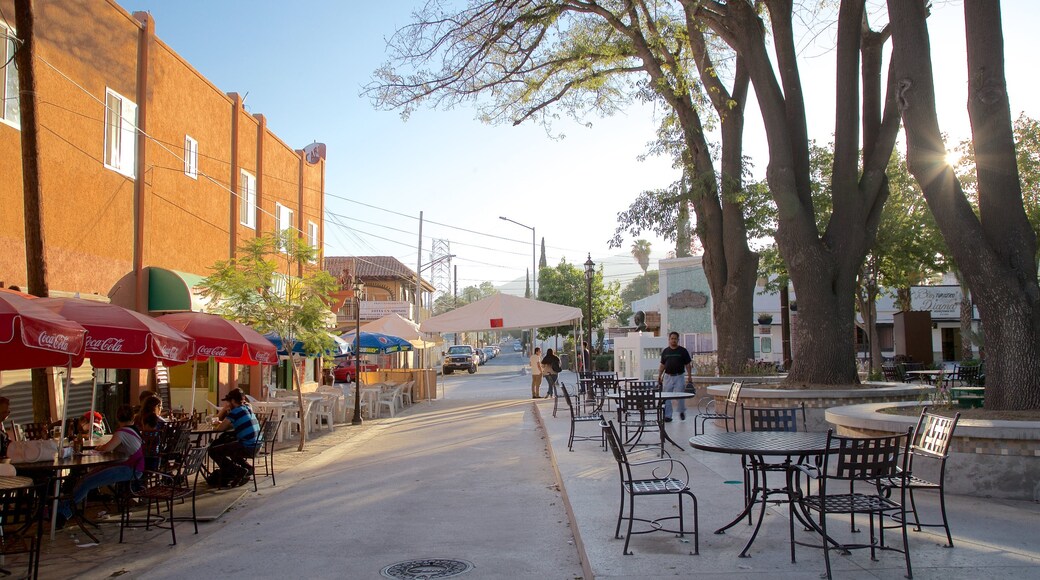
(565, 361)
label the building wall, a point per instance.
(91, 211)
(676, 276)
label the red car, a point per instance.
(344, 371)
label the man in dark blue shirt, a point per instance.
(670, 373)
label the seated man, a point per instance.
(230, 453)
(125, 440)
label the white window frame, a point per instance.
(312, 234)
(8, 80)
(191, 157)
(283, 220)
(247, 199)
(120, 134)
(312, 239)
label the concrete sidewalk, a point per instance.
(992, 538)
(485, 478)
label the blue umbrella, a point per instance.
(376, 343)
(341, 347)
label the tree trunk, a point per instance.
(967, 332)
(994, 252)
(304, 418)
(822, 268)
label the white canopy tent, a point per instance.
(503, 312)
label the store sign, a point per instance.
(373, 309)
(941, 301)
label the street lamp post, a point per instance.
(534, 271)
(590, 272)
(359, 289)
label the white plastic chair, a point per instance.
(324, 412)
(299, 418)
(390, 399)
(406, 393)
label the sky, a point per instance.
(303, 67)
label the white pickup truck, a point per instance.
(460, 357)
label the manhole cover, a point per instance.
(425, 569)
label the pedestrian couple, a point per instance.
(549, 365)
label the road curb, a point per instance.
(579, 545)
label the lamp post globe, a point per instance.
(359, 291)
(590, 273)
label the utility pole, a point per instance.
(418, 290)
(32, 200)
(456, 299)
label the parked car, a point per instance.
(490, 352)
(517, 347)
(460, 357)
(344, 370)
(482, 356)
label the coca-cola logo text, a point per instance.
(105, 344)
(171, 352)
(54, 341)
(217, 351)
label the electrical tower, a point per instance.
(440, 271)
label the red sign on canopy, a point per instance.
(496, 323)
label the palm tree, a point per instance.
(641, 252)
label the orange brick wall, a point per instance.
(89, 210)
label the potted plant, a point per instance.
(765, 318)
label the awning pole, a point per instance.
(194, 362)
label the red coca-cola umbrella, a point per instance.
(118, 338)
(32, 336)
(224, 340)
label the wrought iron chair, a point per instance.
(22, 525)
(179, 483)
(596, 400)
(576, 418)
(930, 443)
(708, 411)
(657, 477)
(640, 409)
(269, 436)
(768, 419)
(859, 462)
(36, 431)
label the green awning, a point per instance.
(173, 291)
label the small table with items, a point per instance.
(757, 445)
(58, 469)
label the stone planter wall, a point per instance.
(998, 459)
(817, 402)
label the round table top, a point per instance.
(665, 395)
(88, 458)
(762, 443)
(14, 482)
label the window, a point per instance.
(312, 234)
(8, 78)
(191, 157)
(283, 220)
(247, 200)
(120, 134)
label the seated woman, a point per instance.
(125, 440)
(150, 417)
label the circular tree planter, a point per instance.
(998, 459)
(817, 401)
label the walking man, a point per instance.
(670, 373)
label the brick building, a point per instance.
(149, 173)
